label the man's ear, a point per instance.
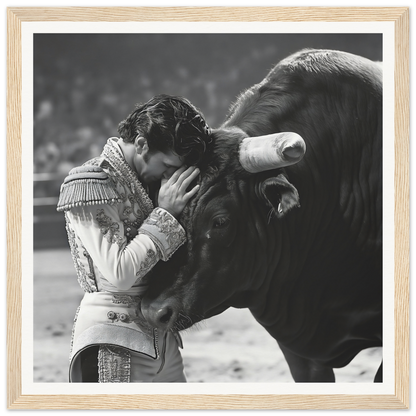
(140, 144)
(279, 194)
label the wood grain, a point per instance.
(15, 16)
(14, 203)
(207, 402)
(401, 212)
(195, 14)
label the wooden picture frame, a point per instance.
(399, 399)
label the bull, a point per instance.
(297, 240)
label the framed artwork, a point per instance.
(73, 74)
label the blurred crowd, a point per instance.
(85, 84)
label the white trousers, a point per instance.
(120, 365)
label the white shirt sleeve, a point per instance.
(122, 263)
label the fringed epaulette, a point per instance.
(87, 185)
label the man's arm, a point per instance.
(101, 230)
(122, 263)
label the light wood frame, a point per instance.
(16, 400)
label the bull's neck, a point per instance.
(265, 256)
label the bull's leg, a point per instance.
(304, 370)
(379, 376)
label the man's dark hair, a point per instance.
(169, 123)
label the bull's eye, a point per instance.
(220, 222)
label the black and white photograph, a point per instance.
(208, 207)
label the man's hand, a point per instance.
(173, 195)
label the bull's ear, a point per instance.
(279, 194)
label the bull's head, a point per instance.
(227, 223)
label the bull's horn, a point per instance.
(271, 152)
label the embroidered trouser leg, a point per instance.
(119, 365)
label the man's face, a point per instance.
(157, 165)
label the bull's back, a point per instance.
(334, 101)
(333, 290)
(340, 178)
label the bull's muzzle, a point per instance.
(273, 151)
(161, 314)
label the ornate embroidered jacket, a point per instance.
(116, 236)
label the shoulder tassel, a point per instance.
(87, 185)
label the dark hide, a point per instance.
(301, 247)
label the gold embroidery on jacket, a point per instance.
(166, 225)
(91, 274)
(127, 211)
(108, 227)
(71, 345)
(147, 264)
(126, 300)
(85, 280)
(124, 175)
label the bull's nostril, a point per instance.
(164, 315)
